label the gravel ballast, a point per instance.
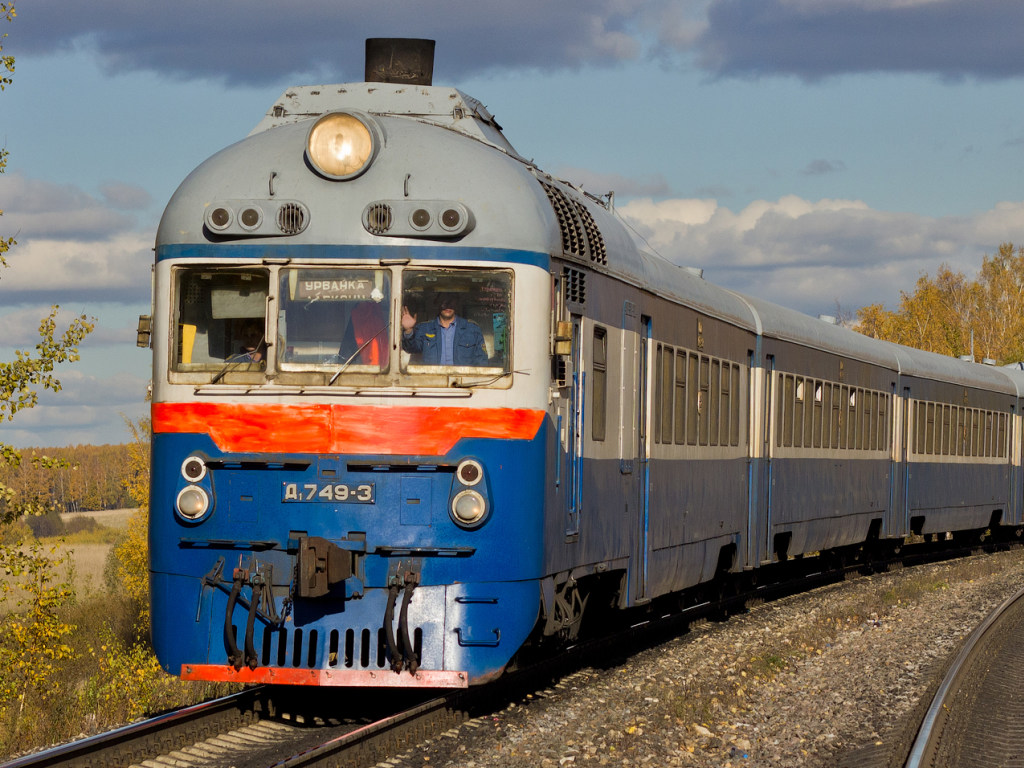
(801, 681)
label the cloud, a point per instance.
(126, 197)
(19, 328)
(813, 39)
(262, 41)
(72, 247)
(65, 271)
(40, 209)
(807, 255)
(821, 167)
(88, 410)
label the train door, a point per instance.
(898, 519)
(574, 439)
(643, 475)
(628, 365)
(765, 444)
(1012, 441)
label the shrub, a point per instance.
(43, 526)
(14, 532)
(80, 524)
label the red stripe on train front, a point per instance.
(382, 678)
(327, 428)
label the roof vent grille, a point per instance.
(581, 237)
(595, 243)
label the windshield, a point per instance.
(221, 320)
(456, 318)
(332, 317)
(336, 326)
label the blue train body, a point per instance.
(332, 507)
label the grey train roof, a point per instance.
(446, 107)
(491, 174)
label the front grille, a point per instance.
(351, 649)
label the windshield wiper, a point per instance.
(237, 359)
(487, 382)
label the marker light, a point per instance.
(192, 502)
(219, 218)
(193, 469)
(340, 145)
(468, 508)
(469, 472)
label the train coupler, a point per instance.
(322, 566)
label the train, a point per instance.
(418, 405)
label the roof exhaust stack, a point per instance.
(403, 60)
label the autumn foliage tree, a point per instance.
(952, 315)
(33, 634)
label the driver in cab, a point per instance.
(447, 339)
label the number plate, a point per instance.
(328, 492)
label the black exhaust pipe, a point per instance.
(403, 60)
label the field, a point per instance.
(89, 550)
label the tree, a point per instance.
(31, 371)
(130, 568)
(954, 316)
(32, 636)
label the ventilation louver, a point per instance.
(581, 237)
(291, 218)
(574, 285)
(379, 218)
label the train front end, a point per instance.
(345, 491)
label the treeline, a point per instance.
(953, 315)
(73, 479)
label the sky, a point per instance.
(821, 155)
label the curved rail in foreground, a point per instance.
(123, 745)
(974, 710)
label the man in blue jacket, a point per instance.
(446, 340)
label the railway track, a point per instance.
(260, 727)
(974, 718)
(267, 727)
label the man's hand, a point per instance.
(408, 320)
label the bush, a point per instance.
(46, 525)
(80, 524)
(15, 532)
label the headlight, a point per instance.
(193, 502)
(340, 145)
(468, 508)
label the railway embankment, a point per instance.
(802, 681)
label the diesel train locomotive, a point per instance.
(418, 404)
